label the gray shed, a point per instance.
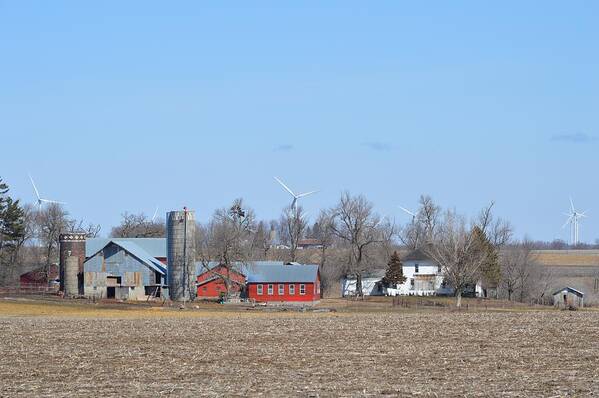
(568, 298)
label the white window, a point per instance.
(302, 289)
(270, 289)
(281, 289)
(259, 290)
(292, 289)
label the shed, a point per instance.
(568, 297)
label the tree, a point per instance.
(138, 226)
(12, 229)
(394, 274)
(51, 221)
(228, 241)
(456, 250)
(293, 224)
(356, 225)
(421, 230)
(516, 265)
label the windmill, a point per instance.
(295, 197)
(40, 200)
(573, 219)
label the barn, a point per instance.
(131, 268)
(210, 282)
(264, 282)
(568, 298)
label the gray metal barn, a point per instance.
(568, 298)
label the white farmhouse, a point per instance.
(424, 277)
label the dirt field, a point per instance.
(56, 350)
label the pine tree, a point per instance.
(394, 274)
(490, 270)
(12, 226)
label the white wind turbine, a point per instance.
(573, 219)
(414, 215)
(296, 197)
(40, 200)
(155, 214)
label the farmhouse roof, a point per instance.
(571, 290)
(418, 254)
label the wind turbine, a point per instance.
(295, 197)
(40, 200)
(573, 219)
(414, 215)
(155, 214)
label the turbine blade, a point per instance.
(407, 211)
(155, 214)
(53, 201)
(572, 205)
(285, 186)
(568, 221)
(34, 187)
(301, 195)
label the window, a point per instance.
(412, 283)
(259, 290)
(439, 269)
(416, 268)
(302, 289)
(270, 289)
(292, 289)
(281, 289)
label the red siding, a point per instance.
(312, 292)
(213, 288)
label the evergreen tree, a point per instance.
(12, 226)
(394, 275)
(490, 270)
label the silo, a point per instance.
(71, 272)
(72, 244)
(180, 243)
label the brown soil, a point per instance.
(54, 350)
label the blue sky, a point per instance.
(123, 106)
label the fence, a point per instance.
(29, 289)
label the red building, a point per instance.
(38, 277)
(211, 285)
(267, 282)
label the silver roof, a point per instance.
(156, 247)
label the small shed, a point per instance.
(568, 298)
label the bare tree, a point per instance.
(138, 226)
(357, 226)
(517, 266)
(455, 249)
(293, 224)
(228, 241)
(422, 229)
(51, 221)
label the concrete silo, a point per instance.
(181, 251)
(72, 244)
(71, 280)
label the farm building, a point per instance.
(568, 298)
(423, 278)
(38, 277)
(371, 284)
(210, 283)
(124, 268)
(267, 282)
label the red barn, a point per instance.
(283, 283)
(38, 277)
(266, 282)
(211, 285)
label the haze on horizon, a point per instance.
(118, 107)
